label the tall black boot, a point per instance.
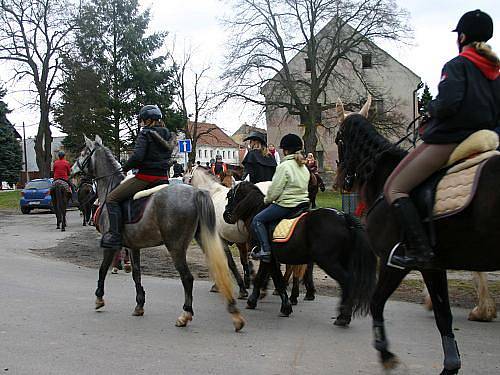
(113, 238)
(418, 250)
(264, 254)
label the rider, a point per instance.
(62, 170)
(287, 191)
(259, 164)
(219, 166)
(151, 157)
(178, 169)
(312, 165)
(468, 100)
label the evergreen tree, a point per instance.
(10, 150)
(116, 54)
(424, 100)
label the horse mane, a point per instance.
(207, 179)
(252, 202)
(364, 147)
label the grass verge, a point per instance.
(9, 200)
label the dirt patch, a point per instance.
(82, 249)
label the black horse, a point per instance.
(335, 241)
(468, 240)
(86, 198)
(60, 198)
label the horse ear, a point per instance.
(366, 107)
(98, 140)
(88, 142)
(340, 110)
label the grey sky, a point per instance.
(196, 23)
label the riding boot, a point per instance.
(113, 238)
(418, 250)
(264, 249)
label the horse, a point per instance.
(161, 223)
(60, 197)
(335, 241)
(86, 199)
(465, 240)
(313, 189)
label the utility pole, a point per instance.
(25, 156)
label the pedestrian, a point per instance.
(312, 165)
(274, 152)
(178, 169)
(258, 163)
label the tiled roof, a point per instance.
(245, 129)
(212, 135)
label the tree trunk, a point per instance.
(43, 143)
(310, 137)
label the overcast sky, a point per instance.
(197, 23)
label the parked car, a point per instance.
(36, 194)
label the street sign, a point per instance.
(185, 145)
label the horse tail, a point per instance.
(363, 265)
(60, 198)
(212, 245)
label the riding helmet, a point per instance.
(218, 157)
(291, 142)
(476, 25)
(61, 154)
(258, 136)
(150, 112)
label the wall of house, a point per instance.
(205, 153)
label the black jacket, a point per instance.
(467, 101)
(178, 170)
(260, 168)
(152, 153)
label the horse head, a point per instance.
(243, 201)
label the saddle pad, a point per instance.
(284, 230)
(456, 190)
(148, 192)
(63, 183)
(476, 143)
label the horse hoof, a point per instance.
(58, 227)
(84, 224)
(251, 304)
(342, 321)
(294, 301)
(238, 322)
(449, 372)
(263, 294)
(309, 297)
(391, 363)
(127, 268)
(243, 294)
(286, 311)
(63, 229)
(214, 289)
(183, 320)
(99, 302)
(138, 311)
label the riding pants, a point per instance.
(415, 168)
(260, 222)
(126, 190)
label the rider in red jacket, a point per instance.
(62, 168)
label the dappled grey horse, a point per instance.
(173, 217)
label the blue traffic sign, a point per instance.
(184, 145)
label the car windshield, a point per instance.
(38, 185)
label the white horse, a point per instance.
(230, 233)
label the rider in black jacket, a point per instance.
(259, 164)
(151, 156)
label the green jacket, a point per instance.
(289, 185)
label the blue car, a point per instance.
(36, 194)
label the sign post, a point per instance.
(185, 147)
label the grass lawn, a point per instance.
(9, 200)
(329, 199)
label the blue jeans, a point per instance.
(260, 222)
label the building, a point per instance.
(31, 157)
(391, 84)
(212, 141)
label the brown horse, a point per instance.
(60, 197)
(86, 199)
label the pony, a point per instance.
(60, 198)
(465, 240)
(173, 216)
(86, 199)
(335, 241)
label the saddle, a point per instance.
(451, 189)
(282, 231)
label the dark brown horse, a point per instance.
(335, 241)
(60, 198)
(467, 240)
(86, 199)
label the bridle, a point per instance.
(86, 163)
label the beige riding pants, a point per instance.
(126, 190)
(415, 168)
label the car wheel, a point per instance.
(25, 210)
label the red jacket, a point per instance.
(62, 169)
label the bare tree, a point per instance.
(34, 34)
(195, 99)
(327, 36)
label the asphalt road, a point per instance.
(48, 325)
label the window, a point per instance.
(308, 65)
(211, 153)
(199, 153)
(206, 153)
(223, 154)
(366, 60)
(234, 154)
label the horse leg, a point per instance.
(180, 263)
(108, 255)
(295, 290)
(242, 248)
(437, 285)
(486, 309)
(279, 284)
(126, 261)
(388, 281)
(262, 275)
(309, 283)
(232, 266)
(140, 295)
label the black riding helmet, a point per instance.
(291, 142)
(261, 137)
(476, 25)
(149, 112)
